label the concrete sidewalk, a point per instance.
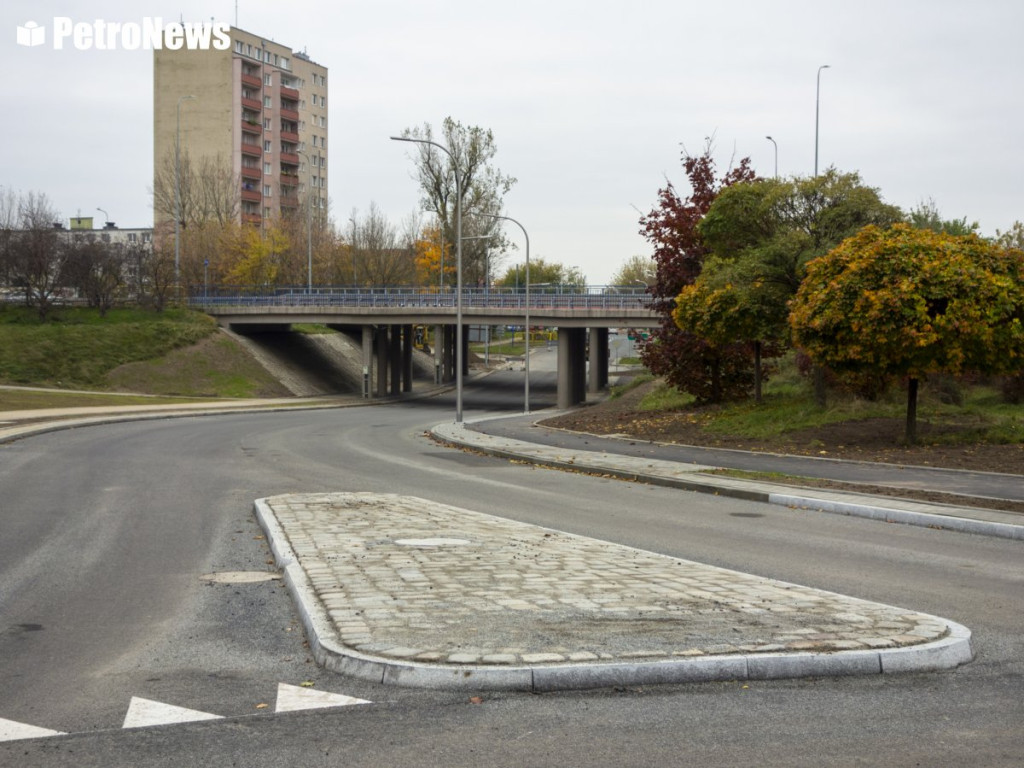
(405, 591)
(986, 522)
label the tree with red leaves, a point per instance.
(712, 373)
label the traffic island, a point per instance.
(402, 590)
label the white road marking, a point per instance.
(292, 698)
(12, 731)
(144, 712)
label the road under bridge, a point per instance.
(385, 319)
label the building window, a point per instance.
(266, 56)
(267, 146)
(268, 169)
(267, 124)
(268, 79)
(267, 102)
(266, 190)
(239, 47)
(266, 213)
(284, 63)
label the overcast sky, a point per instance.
(590, 102)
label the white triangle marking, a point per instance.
(12, 731)
(143, 712)
(292, 698)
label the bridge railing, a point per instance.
(541, 297)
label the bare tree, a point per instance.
(97, 269)
(483, 188)
(210, 191)
(37, 252)
(383, 255)
(8, 225)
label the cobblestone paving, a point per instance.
(409, 579)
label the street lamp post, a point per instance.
(776, 155)
(106, 216)
(817, 112)
(309, 223)
(458, 269)
(177, 193)
(526, 355)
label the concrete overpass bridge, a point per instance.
(385, 318)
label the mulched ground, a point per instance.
(867, 440)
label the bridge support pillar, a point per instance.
(367, 360)
(438, 354)
(572, 366)
(381, 338)
(449, 353)
(598, 369)
(408, 341)
(395, 357)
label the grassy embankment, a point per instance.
(958, 413)
(175, 353)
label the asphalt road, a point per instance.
(108, 533)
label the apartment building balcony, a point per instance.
(252, 218)
(289, 158)
(255, 104)
(289, 93)
(289, 114)
(251, 173)
(252, 149)
(253, 80)
(251, 127)
(251, 195)
(289, 136)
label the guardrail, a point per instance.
(541, 297)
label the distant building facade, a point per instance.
(259, 109)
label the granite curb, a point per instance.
(687, 477)
(949, 651)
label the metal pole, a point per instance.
(458, 269)
(817, 111)
(177, 194)
(776, 155)
(526, 356)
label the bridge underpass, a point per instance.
(383, 321)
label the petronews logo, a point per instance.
(150, 33)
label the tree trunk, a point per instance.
(820, 397)
(716, 379)
(911, 435)
(757, 372)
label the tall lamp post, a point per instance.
(177, 193)
(309, 223)
(458, 269)
(106, 216)
(776, 155)
(817, 112)
(526, 355)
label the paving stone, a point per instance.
(519, 594)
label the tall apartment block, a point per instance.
(260, 109)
